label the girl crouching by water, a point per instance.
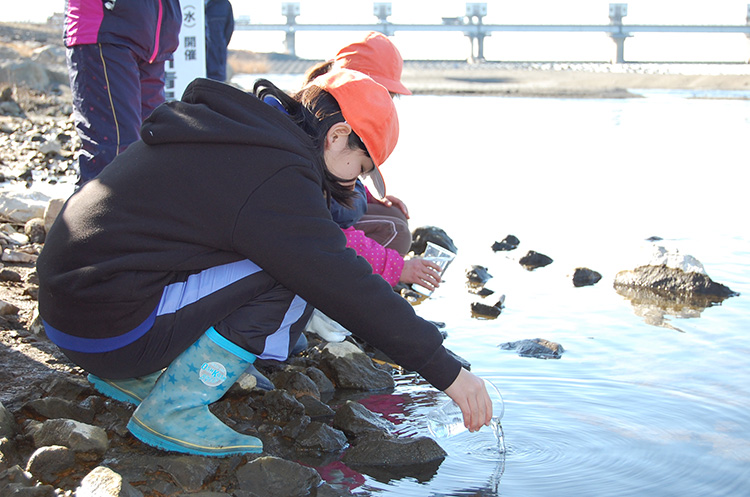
(207, 244)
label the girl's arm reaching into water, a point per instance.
(469, 392)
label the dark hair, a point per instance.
(317, 70)
(325, 67)
(315, 111)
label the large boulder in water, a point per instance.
(670, 283)
(670, 275)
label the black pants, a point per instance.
(240, 300)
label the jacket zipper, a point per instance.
(157, 36)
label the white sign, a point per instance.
(189, 60)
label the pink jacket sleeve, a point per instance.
(386, 262)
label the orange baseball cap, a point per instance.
(377, 57)
(368, 108)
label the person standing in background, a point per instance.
(219, 30)
(115, 54)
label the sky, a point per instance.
(500, 46)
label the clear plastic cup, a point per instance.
(440, 256)
(447, 420)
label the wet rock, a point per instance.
(315, 408)
(670, 283)
(324, 385)
(188, 472)
(478, 276)
(481, 310)
(376, 450)
(666, 281)
(274, 477)
(481, 291)
(424, 234)
(321, 437)
(354, 419)
(281, 407)
(295, 428)
(584, 277)
(104, 482)
(296, 383)
(350, 368)
(656, 292)
(85, 440)
(533, 260)
(510, 242)
(48, 463)
(537, 347)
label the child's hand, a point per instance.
(422, 272)
(469, 392)
(391, 201)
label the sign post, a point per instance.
(189, 60)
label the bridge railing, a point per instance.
(473, 27)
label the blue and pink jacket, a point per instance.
(151, 28)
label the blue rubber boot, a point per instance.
(175, 415)
(132, 390)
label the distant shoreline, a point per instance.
(577, 80)
(537, 79)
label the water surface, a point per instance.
(644, 401)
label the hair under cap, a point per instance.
(377, 57)
(368, 108)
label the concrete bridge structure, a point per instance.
(473, 27)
